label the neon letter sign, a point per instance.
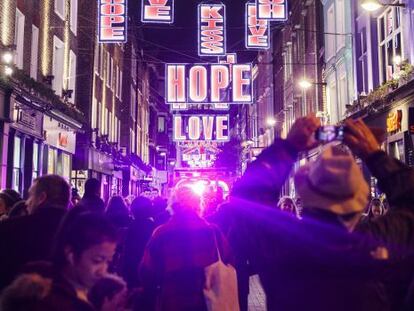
(211, 30)
(275, 10)
(201, 127)
(112, 22)
(257, 31)
(157, 11)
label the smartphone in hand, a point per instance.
(328, 133)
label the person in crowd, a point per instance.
(137, 236)
(18, 209)
(160, 213)
(30, 238)
(117, 212)
(321, 260)
(8, 198)
(25, 292)
(109, 294)
(75, 197)
(375, 210)
(178, 252)
(286, 204)
(92, 198)
(84, 247)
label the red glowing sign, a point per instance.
(209, 83)
(157, 11)
(211, 29)
(257, 31)
(201, 128)
(275, 10)
(112, 24)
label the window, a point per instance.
(390, 43)
(101, 60)
(108, 70)
(116, 81)
(363, 62)
(94, 114)
(330, 28)
(99, 113)
(51, 161)
(110, 132)
(58, 57)
(66, 166)
(343, 95)
(60, 8)
(132, 142)
(120, 84)
(340, 24)
(96, 57)
(74, 16)
(111, 75)
(161, 124)
(119, 131)
(72, 75)
(34, 52)
(397, 150)
(133, 103)
(331, 98)
(19, 39)
(36, 172)
(134, 64)
(287, 56)
(16, 164)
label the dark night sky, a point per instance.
(178, 42)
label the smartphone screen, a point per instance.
(330, 133)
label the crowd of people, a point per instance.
(328, 249)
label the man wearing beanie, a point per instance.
(321, 262)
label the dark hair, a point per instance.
(80, 231)
(55, 187)
(141, 207)
(18, 209)
(375, 201)
(116, 205)
(107, 287)
(10, 197)
(92, 187)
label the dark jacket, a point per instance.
(315, 264)
(175, 259)
(93, 203)
(27, 238)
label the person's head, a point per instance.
(48, 190)
(334, 183)
(376, 208)
(141, 207)
(25, 292)
(8, 198)
(111, 290)
(116, 205)
(75, 197)
(18, 209)
(92, 187)
(84, 248)
(186, 200)
(159, 205)
(286, 204)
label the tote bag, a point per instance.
(220, 288)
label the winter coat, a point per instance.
(314, 263)
(93, 204)
(27, 238)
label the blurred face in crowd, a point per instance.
(376, 209)
(35, 199)
(91, 265)
(288, 207)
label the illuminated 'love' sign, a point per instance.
(201, 128)
(211, 29)
(209, 83)
(157, 11)
(274, 10)
(257, 30)
(112, 22)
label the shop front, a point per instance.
(25, 143)
(4, 132)
(131, 176)
(60, 144)
(101, 167)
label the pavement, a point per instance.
(257, 298)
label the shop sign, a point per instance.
(211, 29)
(157, 11)
(257, 30)
(100, 162)
(201, 128)
(112, 23)
(28, 120)
(59, 135)
(394, 121)
(273, 10)
(209, 83)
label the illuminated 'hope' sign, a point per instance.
(257, 30)
(112, 21)
(211, 30)
(157, 11)
(275, 10)
(201, 127)
(209, 84)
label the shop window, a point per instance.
(396, 150)
(66, 166)
(36, 172)
(16, 164)
(51, 161)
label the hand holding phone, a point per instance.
(329, 133)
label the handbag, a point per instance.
(220, 288)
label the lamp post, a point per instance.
(374, 5)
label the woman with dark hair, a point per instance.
(8, 198)
(375, 209)
(286, 204)
(84, 248)
(117, 212)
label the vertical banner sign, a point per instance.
(112, 23)
(257, 30)
(157, 11)
(273, 10)
(211, 29)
